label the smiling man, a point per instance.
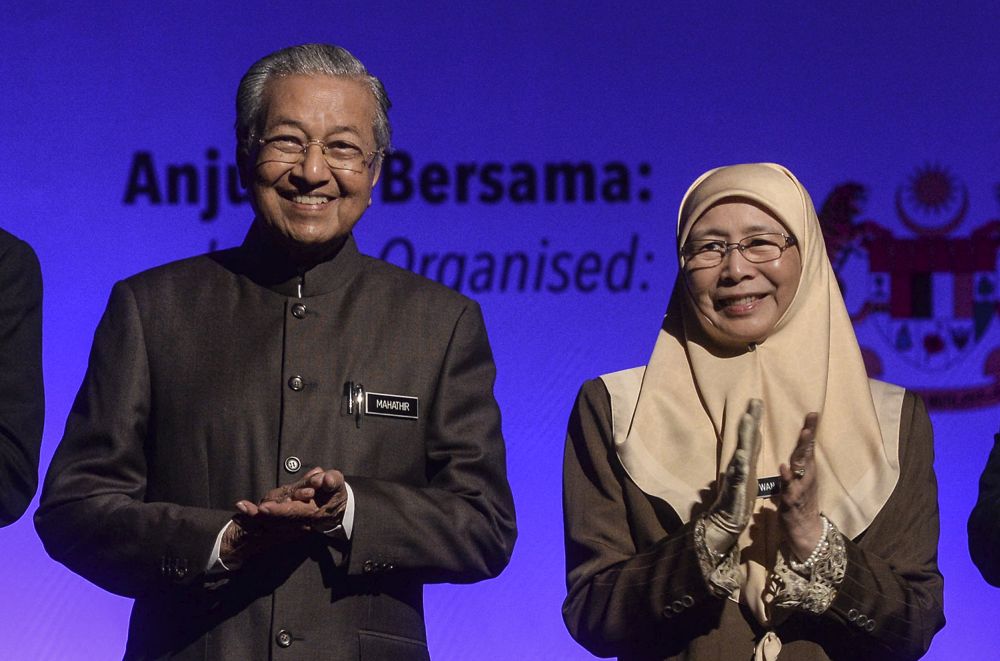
(276, 446)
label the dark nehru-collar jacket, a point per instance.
(211, 380)
(22, 404)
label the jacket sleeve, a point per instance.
(984, 522)
(459, 527)
(22, 402)
(624, 594)
(93, 515)
(890, 602)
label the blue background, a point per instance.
(864, 92)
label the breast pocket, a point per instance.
(377, 646)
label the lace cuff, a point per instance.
(722, 572)
(814, 586)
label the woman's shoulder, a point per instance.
(623, 383)
(890, 399)
(609, 400)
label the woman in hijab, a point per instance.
(750, 493)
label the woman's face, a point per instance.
(739, 301)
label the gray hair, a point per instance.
(307, 59)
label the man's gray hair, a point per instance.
(309, 60)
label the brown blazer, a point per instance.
(206, 377)
(22, 400)
(635, 589)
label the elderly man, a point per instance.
(344, 406)
(22, 403)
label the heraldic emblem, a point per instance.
(927, 296)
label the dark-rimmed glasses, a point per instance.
(757, 248)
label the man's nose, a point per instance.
(313, 167)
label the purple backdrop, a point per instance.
(116, 154)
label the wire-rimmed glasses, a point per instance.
(338, 154)
(757, 248)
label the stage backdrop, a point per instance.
(541, 150)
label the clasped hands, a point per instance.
(314, 503)
(798, 506)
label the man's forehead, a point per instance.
(341, 98)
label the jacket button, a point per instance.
(296, 383)
(852, 614)
(368, 567)
(284, 638)
(687, 600)
(870, 626)
(292, 464)
(299, 311)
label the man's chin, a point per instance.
(305, 246)
(314, 248)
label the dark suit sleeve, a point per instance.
(984, 522)
(93, 516)
(460, 526)
(622, 597)
(22, 403)
(891, 599)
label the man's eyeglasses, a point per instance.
(757, 248)
(338, 154)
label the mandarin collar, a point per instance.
(269, 266)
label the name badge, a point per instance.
(393, 406)
(768, 486)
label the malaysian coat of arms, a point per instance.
(924, 300)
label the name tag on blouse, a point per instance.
(768, 487)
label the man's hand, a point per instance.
(314, 503)
(730, 513)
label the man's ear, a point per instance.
(378, 170)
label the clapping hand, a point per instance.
(798, 504)
(730, 513)
(315, 502)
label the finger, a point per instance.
(803, 453)
(305, 494)
(755, 411)
(748, 430)
(791, 483)
(316, 470)
(279, 494)
(292, 510)
(317, 480)
(247, 507)
(333, 480)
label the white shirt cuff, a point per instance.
(347, 523)
(215, 564)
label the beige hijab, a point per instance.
(683, 432)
